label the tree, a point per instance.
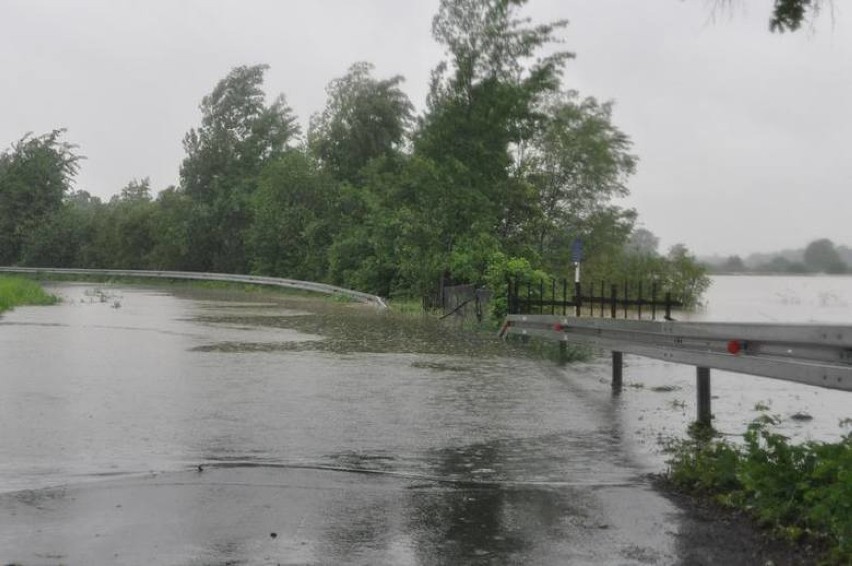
(821, 256)
(482, 105)
(65, 237)
(577, 162)
(788, 15)
(294, 219)
(643, 242)
(686, 279)
(734, 264)
(171, 230)
(364, 119)
(35, 175)
(238, 136)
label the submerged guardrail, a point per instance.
(199, 276)
(818, 355)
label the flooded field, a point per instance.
(467, 449)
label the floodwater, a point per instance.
(333, 433)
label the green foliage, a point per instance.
(798, 490)
(788, 15)
(238, 136)
(364, 119)
(35, 175)
(502, 269)
(294, 219)
(17, 291)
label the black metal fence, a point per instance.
(613, 301)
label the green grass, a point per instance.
(18, 291)
(801, 492)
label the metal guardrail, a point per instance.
(819, 355)
(197, 276)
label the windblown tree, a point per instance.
(482, 106)
(359, 141)
(579, 162)
(35, 175)
(364, 119)
(238, 136)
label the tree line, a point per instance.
(501, 172)
(819, 256)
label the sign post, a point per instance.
(577, 257)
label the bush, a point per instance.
(16, 291)
(799, 491)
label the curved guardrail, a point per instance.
(198, 276)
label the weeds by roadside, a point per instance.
(803, 492)
(17, 291)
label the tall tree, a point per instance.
(238, 136)
(481, 108)
(364, 119)
(35, 175)
(578, 162)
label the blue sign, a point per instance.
(577, 250)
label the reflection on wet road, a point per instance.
(352, 436)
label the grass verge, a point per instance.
(17, 291)
(802, 493)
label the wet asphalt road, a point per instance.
(260, 515)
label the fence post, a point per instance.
(578, 301)
(553, 297)
(617, 367)
(613, 306)
(703, 388)
(654, 301)
(668, 306)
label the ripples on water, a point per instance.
(169, 380)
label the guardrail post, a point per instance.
(617, 367)
(703, 388)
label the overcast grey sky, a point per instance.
(744, 137)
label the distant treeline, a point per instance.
(498, 176)
(820, 256)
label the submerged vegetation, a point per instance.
(504, 169)
(19, 291)
(803, 493)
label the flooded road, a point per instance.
(179, 426)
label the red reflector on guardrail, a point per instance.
(736, 346)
